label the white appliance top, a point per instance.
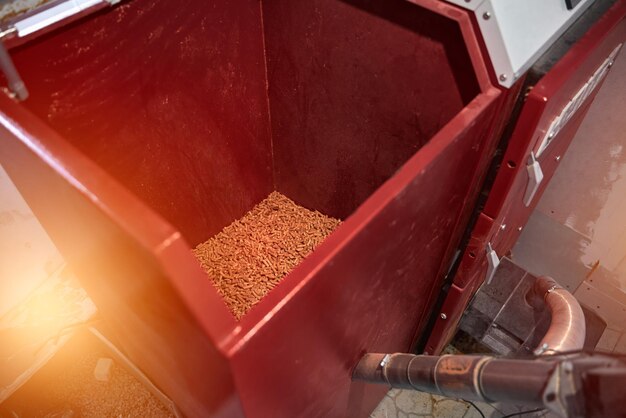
(518, 32)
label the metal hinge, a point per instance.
(493, 261)
(535, 177)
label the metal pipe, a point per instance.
(16, 85)
(486, 378)
(570, 386)
(480, 378)
(567, 327)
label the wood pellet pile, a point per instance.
(249, 257)
(67, 388)
(122, 396)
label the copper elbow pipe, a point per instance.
(567, 327)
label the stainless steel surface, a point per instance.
(567, 326)
(499, 317)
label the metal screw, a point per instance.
(502, 77)
(558, 158)
(519, 229)
(568, 367)
(443, 316)
(486, 15)
(551, 135)
(503, 227)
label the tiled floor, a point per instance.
(411, 404)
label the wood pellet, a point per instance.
(249, 257)
(73, 392)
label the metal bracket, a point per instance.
(560, 389)
(535, 177)
(493, 261)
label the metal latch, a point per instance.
(493, 261)
(535, 177)
(577, 102)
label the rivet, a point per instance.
(443, 316)
(486, 15)
(502, 77)
(558, 158)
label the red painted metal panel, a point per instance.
(550, 95)
(135, 267)
(370, 286)
(505, 213)
(454, 306)
(359, 293)
(180, 87)
(342, 123)
(469, 277)
(544, 102)
(474, 255)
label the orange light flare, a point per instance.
(35, 329)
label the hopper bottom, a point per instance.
(249, 257)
